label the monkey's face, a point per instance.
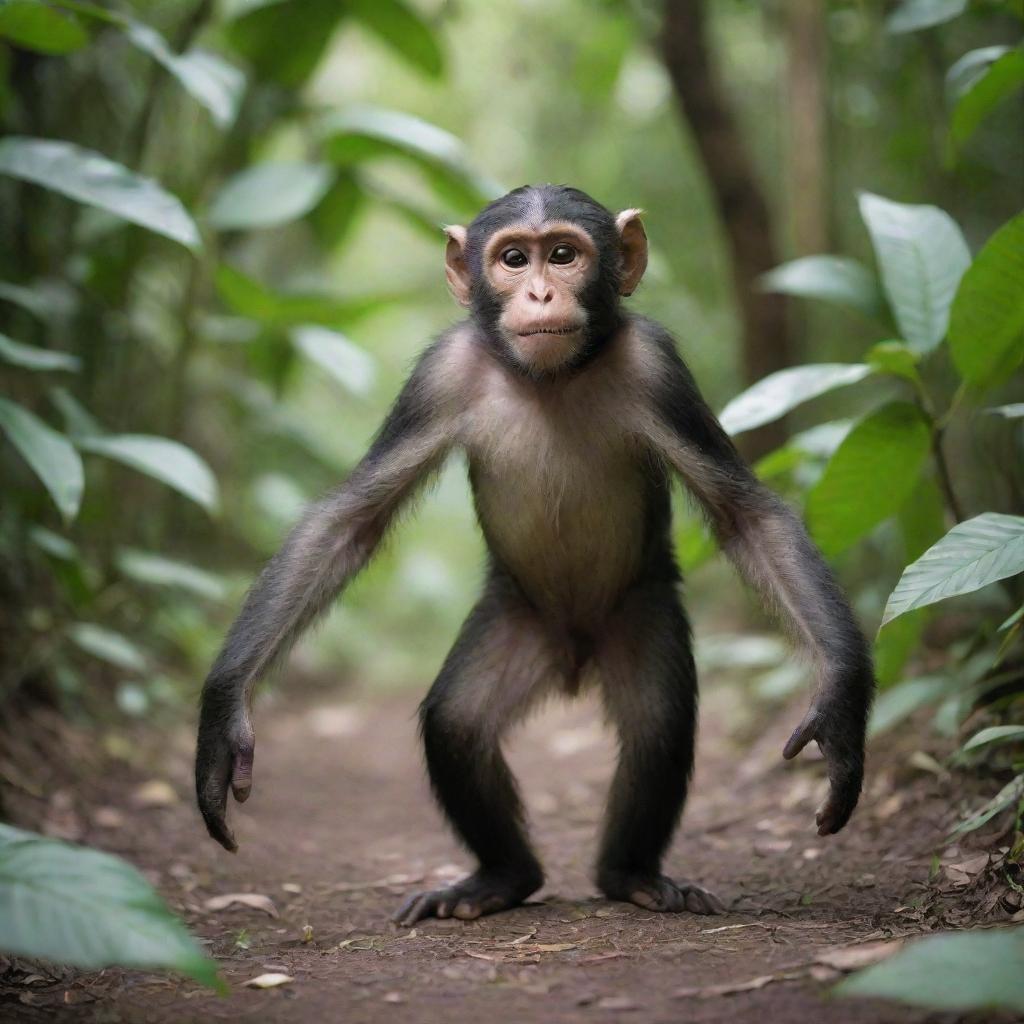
(542, 270)
(538, 278)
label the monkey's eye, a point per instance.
(514, 258)
(562, 254)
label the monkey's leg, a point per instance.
(496, 668)
(650, 689)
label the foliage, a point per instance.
(951, 971)
(86, 908)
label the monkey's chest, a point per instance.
(566, 519)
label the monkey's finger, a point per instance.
(802, 735)
(212, 772)
(415, 908)
(839, 805)
(241, 773)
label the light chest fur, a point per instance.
(559, 483)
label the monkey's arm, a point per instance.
(334, 540)
(771, 549)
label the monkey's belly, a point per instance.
(572, 548)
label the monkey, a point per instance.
(574, 416)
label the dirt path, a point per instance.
(341, 826)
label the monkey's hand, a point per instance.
(838, 727)
(224, 756)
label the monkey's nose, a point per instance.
(541, 292)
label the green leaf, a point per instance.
(404, 30)
(209, 79)
(250, 298)
(780, 392)
(995, 734)
(912, 15)
(1013, 411)
(895, 644)
(835, 279)
(986, 325)
(31, 357)
(165, 460)
(894, 358)
(899, 702)
(1011, 794)
(1002, 78)
(969, 68)
(108, 645)
(284, 40)
(971, 970)
(51, 455)
(78, 421)
(336, 213)
(347, 363)
(35, 26)
(921, 255)
(78, 906)
(972, 555)
(362, 133)
(155, 570)
(88, 177)
(269, 194)
(48, 300)
(871, 474)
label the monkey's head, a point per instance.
(543, 269)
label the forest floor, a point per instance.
(341, 828)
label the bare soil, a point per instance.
(341, 827)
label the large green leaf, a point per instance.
(88, 177)
(269, 194)
(346, 362)
(836, 279)
(921, 255)
(912, 15)
(78, 906)
(31, 357)
(780, 392)
(210, 79)
(1001, 79)
(404, 30)
(870, 476)
(284, 40)
(161, 458)
(969, 68)
(36, 26)
(1009, 796)
(986, 324)
(108, 645)
(51, 455)
(157, 571)
(898, 702)
(972, 555)
(361, 133)
(974, 970)
(995, 734)
(250, 298)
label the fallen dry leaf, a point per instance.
(616, 1003)
(852, 958)
(713, 991)
(253, 900)
(155, 793)
(271, 980)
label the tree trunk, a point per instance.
(738, 197)
(806, 141)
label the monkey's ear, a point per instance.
(633, 242)
(455, 268)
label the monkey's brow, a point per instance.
(545, 232)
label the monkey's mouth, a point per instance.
(558, 331)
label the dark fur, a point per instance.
(653, 708)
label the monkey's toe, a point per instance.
(660, 893)
(469, 899)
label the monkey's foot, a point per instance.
(658, 892)
(471, 898)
